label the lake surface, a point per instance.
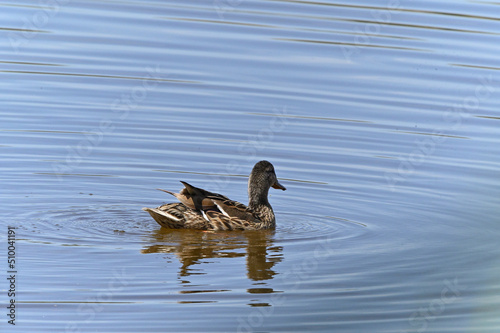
(381, 119)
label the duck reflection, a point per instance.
(191, 246)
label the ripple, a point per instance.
(93, 226)
(306, 227)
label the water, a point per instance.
(381, 120)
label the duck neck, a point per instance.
(257, 201)
(257, 195)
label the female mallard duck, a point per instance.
(200, 209)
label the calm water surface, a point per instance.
(381, 119)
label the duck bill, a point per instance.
(278, 186)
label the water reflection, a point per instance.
(191, 246)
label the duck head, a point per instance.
(261, 179)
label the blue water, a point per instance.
(381, 119)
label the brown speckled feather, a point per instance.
(178, 216)
(233, 208)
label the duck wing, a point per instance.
(196, 198)
(231, 208)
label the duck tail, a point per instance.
(169, 192)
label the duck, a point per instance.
(204, 210)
